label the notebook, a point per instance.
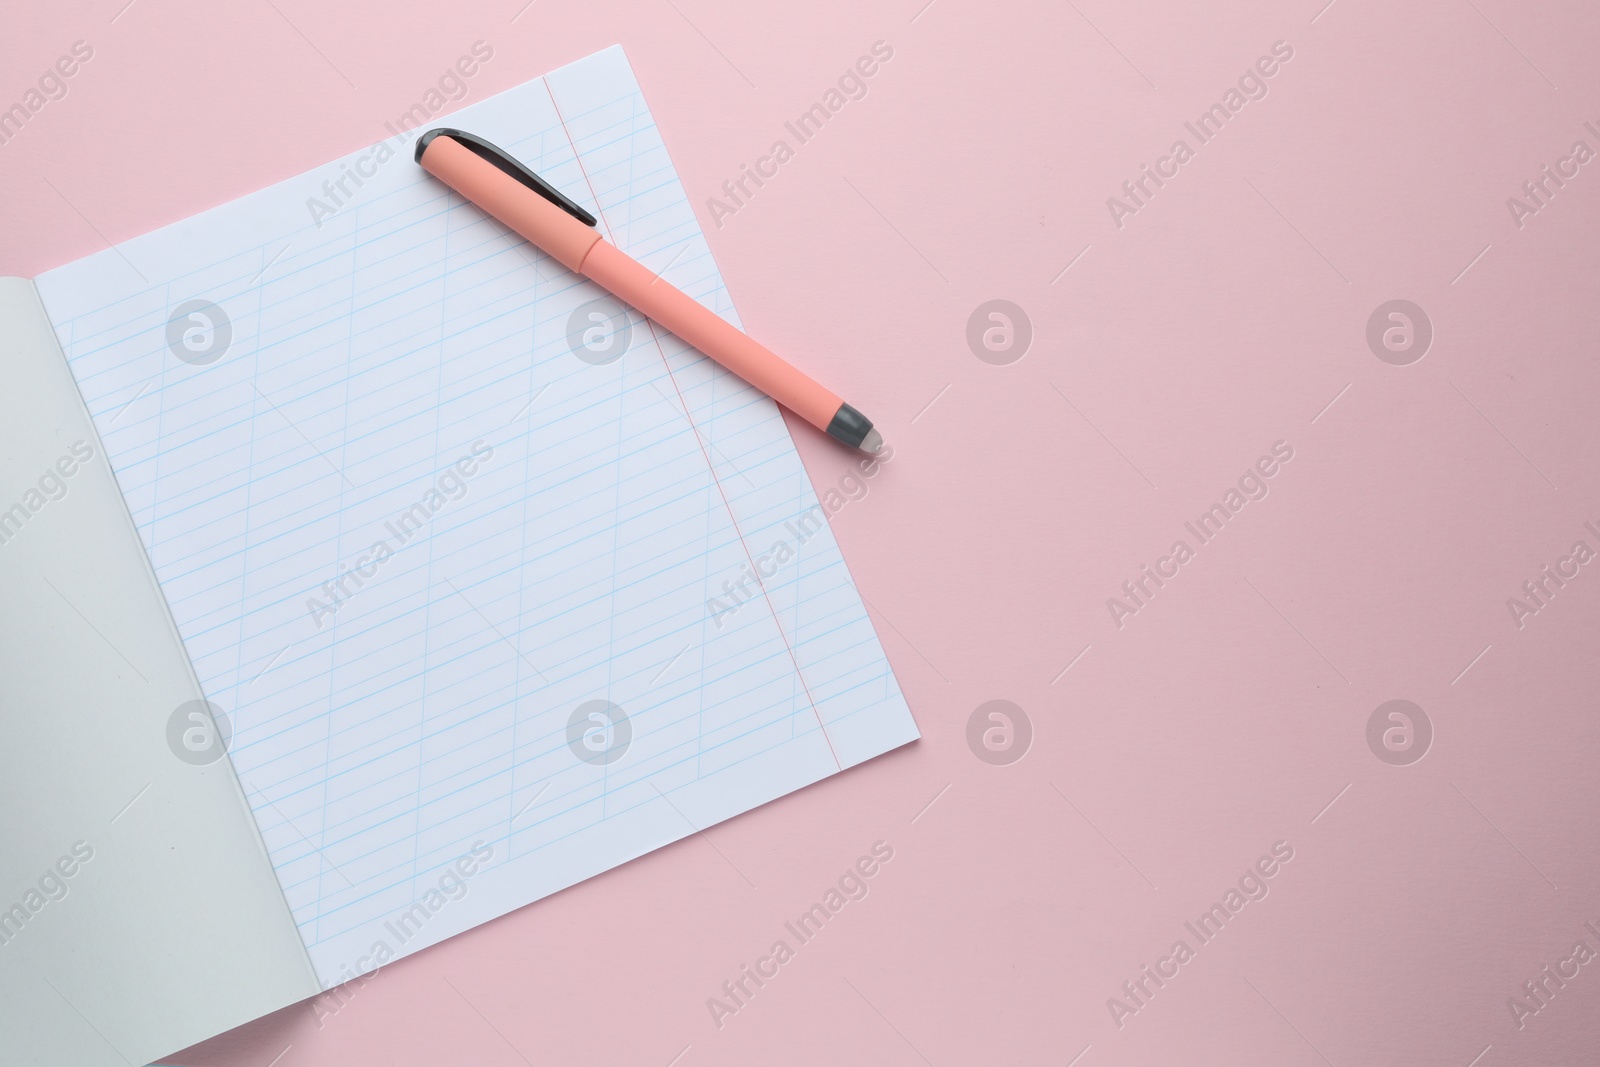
(372, 576)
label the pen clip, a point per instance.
(484, 150)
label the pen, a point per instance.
(512, 193)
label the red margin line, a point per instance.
(710, 466)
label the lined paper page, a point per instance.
(458, 591)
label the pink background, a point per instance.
(1224, 316)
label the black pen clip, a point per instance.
(484, 150)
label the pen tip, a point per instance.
(873, 442)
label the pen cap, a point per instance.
(493, 190)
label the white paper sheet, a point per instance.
(398, 373)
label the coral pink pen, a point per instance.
(528, 204)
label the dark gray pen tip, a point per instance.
(851, 427)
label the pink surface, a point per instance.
(1227, 313)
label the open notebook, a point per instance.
(456, 551)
